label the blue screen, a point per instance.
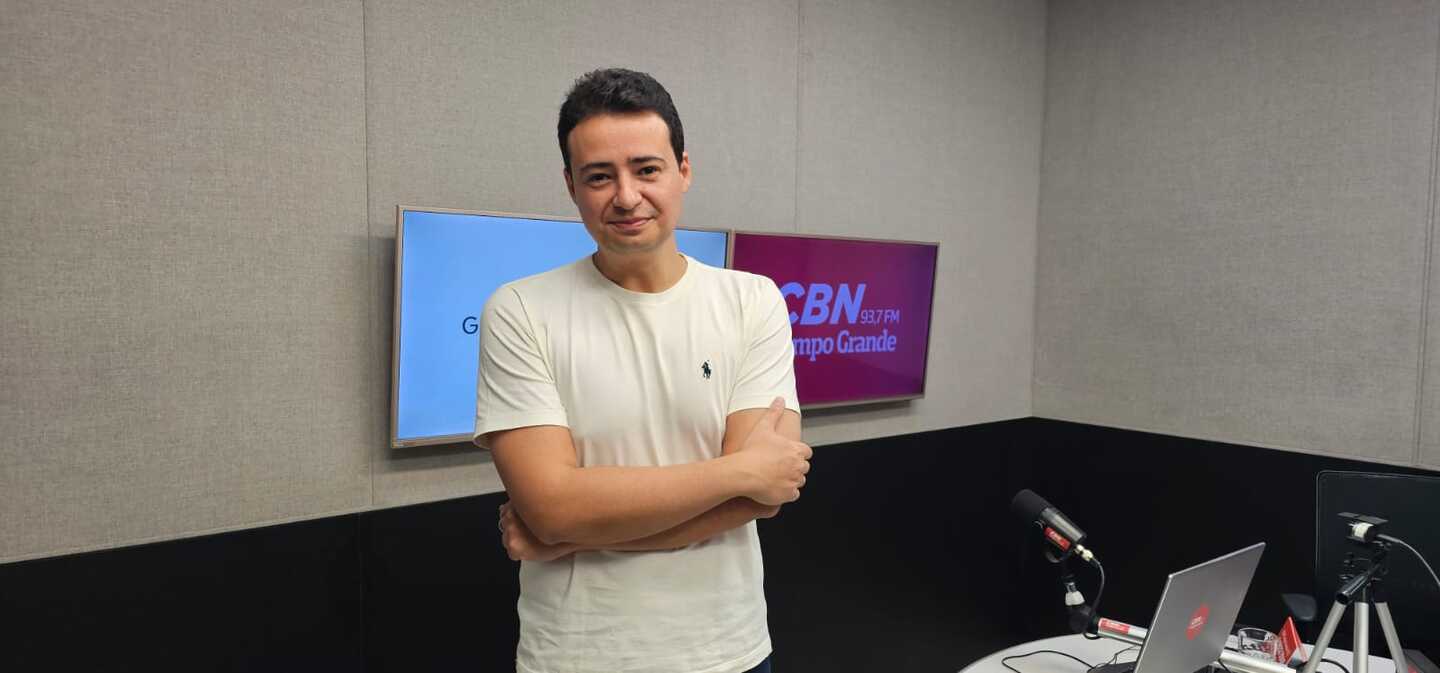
(450, 263)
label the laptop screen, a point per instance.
(1196, 613)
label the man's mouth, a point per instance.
(630, 224)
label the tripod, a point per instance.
(1362, 590)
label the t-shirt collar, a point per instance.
(632, 297)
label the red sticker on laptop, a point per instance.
(1197, 622)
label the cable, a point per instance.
(1099, 594)
(1222, 665)
(1406, 545)
(1116, 658)
(1031, 654)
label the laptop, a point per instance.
(1195, 615)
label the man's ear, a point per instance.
(569, 184)
(685, 170)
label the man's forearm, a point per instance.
(727, 516)
(562, 502)
(521, 544)
(602, 505)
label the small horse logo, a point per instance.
(705, 369)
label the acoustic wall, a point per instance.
(183, 277)
(199, 220)
(1236, 205)
(1430, 372)
(920, 121)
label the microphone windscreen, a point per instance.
(1028, 506)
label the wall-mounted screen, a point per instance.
(859, 312)
(447, 264)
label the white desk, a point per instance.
(1100, 651)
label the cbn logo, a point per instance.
(818, 307)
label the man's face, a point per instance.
(625, 181)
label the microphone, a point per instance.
(1064, 536)
(1065, 540)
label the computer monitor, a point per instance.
(447, 264)
(859, 312)
(1411, 504)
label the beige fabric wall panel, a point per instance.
(1429, 408)
(1233, 220)
(184, 279)
(463, 99)
(921, 121)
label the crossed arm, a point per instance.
(558, 508)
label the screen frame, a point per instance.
(400, 209)
(934, 278)
(1384, 494)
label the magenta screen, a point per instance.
(859, 312)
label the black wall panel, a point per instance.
(280, 598)
(439, 591)
(901, 555)
(894, 558)
(1153, 504)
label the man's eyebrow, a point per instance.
(633, 160)
(594, 165)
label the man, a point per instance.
(641, 410)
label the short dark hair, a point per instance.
(617, 90)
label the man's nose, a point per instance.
(627, 195)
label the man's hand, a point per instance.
(777, 465)
(522, 545)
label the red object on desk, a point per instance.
(1114, 626)
(1289, 641)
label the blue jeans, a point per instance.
(764, 667)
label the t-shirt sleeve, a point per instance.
(767, 369)
(516, 387)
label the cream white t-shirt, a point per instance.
(639, 379)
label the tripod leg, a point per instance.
(1362, 637)
(1331, 623)
(1392, 637)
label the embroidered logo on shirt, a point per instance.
(705, 369)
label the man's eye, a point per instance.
(596, 178)
(649, 170)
